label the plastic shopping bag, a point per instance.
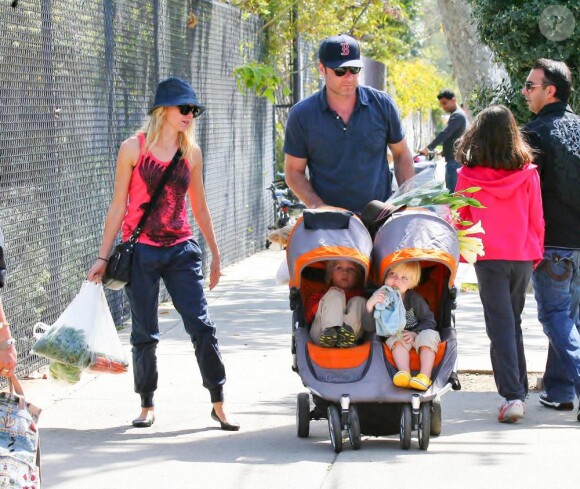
(83, 337)
(283, 274)
(390, 315)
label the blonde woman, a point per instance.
(166, 248)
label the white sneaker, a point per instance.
(511, 411)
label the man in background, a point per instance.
(453, 131)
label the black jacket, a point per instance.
(555, 136)
(455, 128)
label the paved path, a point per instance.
(88, 442)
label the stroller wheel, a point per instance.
(424, 426)
(406, 426)
(335, 428)
(303, 415)
(436, 418)
(353, 427)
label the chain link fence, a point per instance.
(77, 78)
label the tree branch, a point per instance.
(366, 7)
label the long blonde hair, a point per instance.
(152, 128)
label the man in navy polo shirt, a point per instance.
(341, 134)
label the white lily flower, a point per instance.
(476, 228)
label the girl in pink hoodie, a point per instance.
(496, 159)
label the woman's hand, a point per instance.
(377, 297)
(215, 272)
(97, 271)
(8, 360)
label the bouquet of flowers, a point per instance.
(424, 191)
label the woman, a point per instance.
(166, 248)
(8, 353)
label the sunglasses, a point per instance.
(186, 109)
(354, 70)
(529, 85)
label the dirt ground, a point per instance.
(473, 382)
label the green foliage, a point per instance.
(260, 78)
(415, 84)
(383, 28)
(511, 29)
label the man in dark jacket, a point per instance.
(555, 136)
(453, 131)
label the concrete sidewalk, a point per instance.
(88, 440)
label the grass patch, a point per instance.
(469, 287)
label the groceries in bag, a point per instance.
(84, 337)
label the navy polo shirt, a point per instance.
(347, 163)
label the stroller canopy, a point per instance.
(327, 235)
(413, 235)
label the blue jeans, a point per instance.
(180, 268)
(557, 290)
(451, 175)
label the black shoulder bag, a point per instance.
(118, 273)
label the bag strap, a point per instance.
(149, 208)
(15, 386)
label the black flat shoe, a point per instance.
(225, 425)
(145, 422)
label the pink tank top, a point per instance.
(168, 223)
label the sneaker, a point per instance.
(421, 382)
(329, 337)
(402, 378)
(346, 337)
(511, 411)
(548, 402)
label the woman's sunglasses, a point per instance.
(186, 109)
(354, 70)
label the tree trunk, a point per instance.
(472, 60)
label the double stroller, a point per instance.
(352, 388)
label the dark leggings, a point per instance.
(502, 288)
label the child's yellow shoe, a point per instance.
(402, 378)
(421, 382)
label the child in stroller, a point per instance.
(420, 330)
(352, 387)
(338, 316)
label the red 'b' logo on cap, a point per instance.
(345, 49)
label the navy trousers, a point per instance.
(180, 268)
(502, 288)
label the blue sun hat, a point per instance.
(172, 92)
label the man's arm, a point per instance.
(295, 172)
(453, 125)
(403, 161)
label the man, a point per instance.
(555, 136)
(455, 128)
(341, 134)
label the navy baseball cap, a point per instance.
(175, 91)
(339, 51)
